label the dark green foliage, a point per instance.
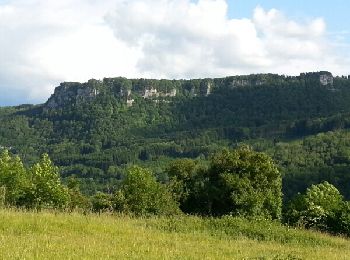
(101, 202)
(37, 187)
(323, 157)
(97, 137)
(341, 221)
(76, 199)
(239, 182)
(321, 207)
(13, 179)
(141, 194)
(46, 189)
(245, 183)
(186, 184)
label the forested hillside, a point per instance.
(96, 129)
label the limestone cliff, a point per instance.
(129, 90)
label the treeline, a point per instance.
(239, 182)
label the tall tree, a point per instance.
(47, 189)
(12, 178)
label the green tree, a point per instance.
(143, 195)
(13, 179)
(181, 172)
(244, 182)
(317, 208)
(186, 183)
(341, 221)
(46, 188)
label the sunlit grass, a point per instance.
(49, 235)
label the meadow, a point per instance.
(60, 235)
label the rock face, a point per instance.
(247, 82)
(74, 92)
(172, 93)
(68, 92)
(150, 92)
(129, 90)
(130, 102)
(326, 79)
(63, 94)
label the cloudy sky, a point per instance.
(45, 42)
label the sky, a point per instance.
(45, 42)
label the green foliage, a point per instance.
(341, 221)
(88, 136)
(37, 187)
(119, 202)
(185, 179)
(143, 195)
(246, 183)
(321, 207)
(76, 199)
(46, 189)
(101, 202)
(96, 138)
(12, 178)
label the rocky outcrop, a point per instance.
(127, 90)
(64, 93)
(150, 92)
(246, 82)
(172, 93)
(73, 92)
(326, 79)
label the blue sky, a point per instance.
(335, 12)
(45, 42)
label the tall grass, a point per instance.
(52, 235)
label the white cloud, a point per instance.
(45, 42)
(187, 39)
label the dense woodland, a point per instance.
(301, 124)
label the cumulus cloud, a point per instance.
(197, 39)
(45, 42)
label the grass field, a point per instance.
(49, 235)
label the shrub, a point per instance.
(141, 194)
(46, 189)
(321, 207)
(13, 179)
(101, 202)
(246, 183)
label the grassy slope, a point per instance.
(75, 236)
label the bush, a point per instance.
(76, 199)
(186, 184)
(321, 207)
(141, 194)
(244, 183)
(46, 189)
(13, 179)
(341, 222)
(101, 202)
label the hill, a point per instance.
(55, 235)
(94, 130)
